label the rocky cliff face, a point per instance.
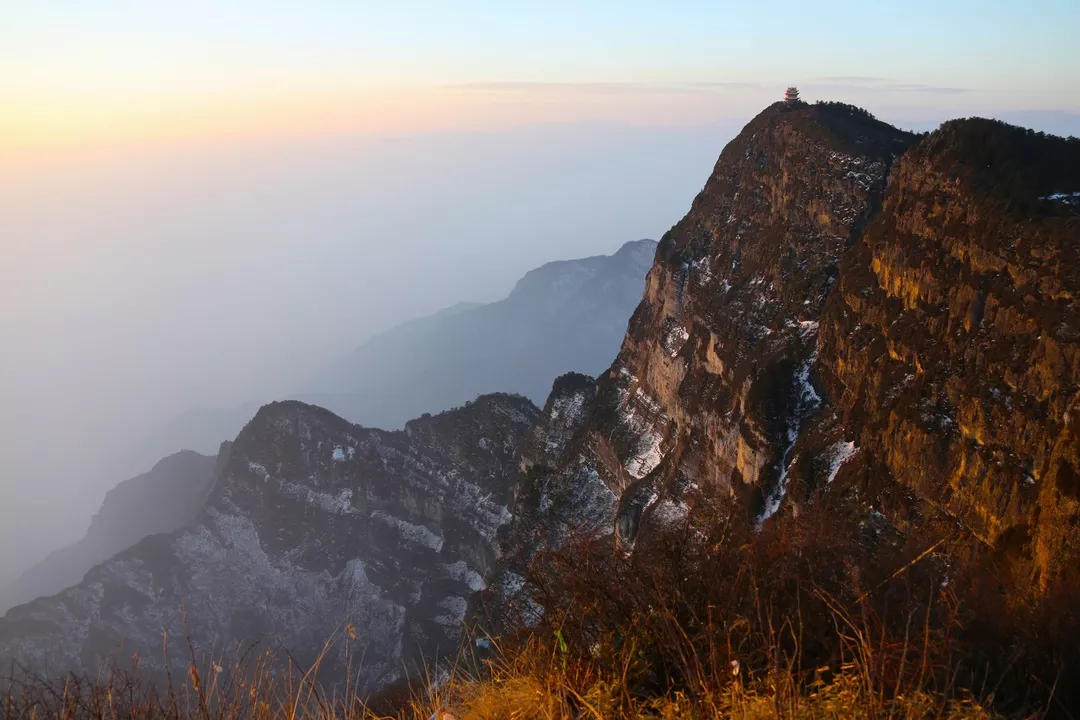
(712, 384)
(166, 498)
(314, 525)
(950, 347)
(848, 309)
(557, 491)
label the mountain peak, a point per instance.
(713, 379)
(637, 249)
(847, 307)
(555, 283)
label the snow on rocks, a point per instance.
(339, 503)
(566, 415)
(340, 453)
(838, 454)
(675, 339)
(806, 401)
(453, 612)
(671, 512)
(568, 408)
(647, 456)
(461, 572)
(515, 592)
(346, 528)
(643, 416)
(1072, 198)
(259, 470)
(411, 532)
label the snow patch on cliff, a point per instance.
(343, 453)
(1067, 198)
(517, 593)
(337, 504)
(675, 339)
(568, 407)
(469, 500)
(648, 455)
(453, 611)
(642, 415)
(807, 401)
(415, 534)
(838, 454)
(461, 572)
(671, 512)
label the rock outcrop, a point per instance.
(314, 526)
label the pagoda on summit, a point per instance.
(791, 97)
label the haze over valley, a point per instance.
(139, 289)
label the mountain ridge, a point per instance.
(875, 337)
(389, 403)
(850, 320)
(796, 311)
(312, 522)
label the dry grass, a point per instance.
(820, 615)
(538, 685)
(816, 617)
(533, 682)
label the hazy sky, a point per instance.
(140, 283)
(202, 203)
(85, 72)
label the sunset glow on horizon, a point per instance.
(122, 72)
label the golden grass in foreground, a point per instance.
(542, 683)
(820, 616)
(532, 683)
(537, 684)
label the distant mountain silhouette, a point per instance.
(563, 316)
(164, 499)
(568, 315)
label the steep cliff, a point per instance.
(711, 386)
(853, 311)
(314, 526)
(950, 347)
(844, 423)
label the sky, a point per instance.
(203, 203)
(77, 73)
